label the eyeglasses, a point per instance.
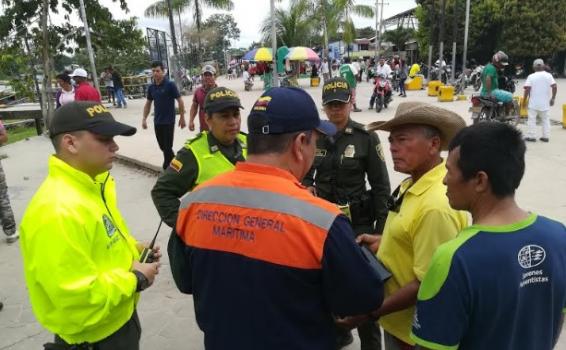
(395, 200)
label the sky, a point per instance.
(248, 14)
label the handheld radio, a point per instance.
(147, 252)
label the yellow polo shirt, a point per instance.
(410, 237)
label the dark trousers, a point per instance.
(164, 134)
(125, 338)
(402, 86)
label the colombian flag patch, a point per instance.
(176, 165)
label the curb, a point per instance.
(135, 163)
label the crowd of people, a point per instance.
(289, 236)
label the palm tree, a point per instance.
(293, 27)
(159, 9)
(335, 15)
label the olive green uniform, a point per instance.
(182, 174)
(339, 176)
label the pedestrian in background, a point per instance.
(403, 73)
(501, 283)
(106, 78)
(67, 92)
(325, 70)
(6, 213)
(538, 89)
(349, 72)
(81, 263)
(208, 74)
(118, 87)
(288, 259)
(83, 90)
(164, 92)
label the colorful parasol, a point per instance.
(259, 54)
(301, 53)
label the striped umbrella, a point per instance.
(301, 53)
(259, 54)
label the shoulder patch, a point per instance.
(197, 136)
(176, 165)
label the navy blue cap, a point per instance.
(286, 110)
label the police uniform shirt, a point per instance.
(181, 175)
(341, 164)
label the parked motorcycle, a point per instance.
(382, 95)
(488, 109)
(462, 81)
(475, 78)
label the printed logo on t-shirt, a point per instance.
(531, 255)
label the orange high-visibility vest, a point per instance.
(260, 212)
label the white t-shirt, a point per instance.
(355, 70)
(385, 70)
(356, 64)
(541, 93)
(325, 68)
(67, 96)
(246, 75)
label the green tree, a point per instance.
(293, 26)
(522, 28)
(224, 29)
(399, 37)
(159, 9)
(366, 32)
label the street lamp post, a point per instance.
(465, 53)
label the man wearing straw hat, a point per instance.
(420, 217)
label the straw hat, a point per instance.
(447, 122)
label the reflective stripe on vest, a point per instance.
(256, 223)
(215, 163)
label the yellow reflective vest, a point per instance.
(78, 255)
(210, 164)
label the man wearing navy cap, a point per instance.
(269, 264)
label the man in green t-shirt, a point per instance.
(489, 78)
(349, 72)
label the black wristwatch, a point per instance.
(143, 282)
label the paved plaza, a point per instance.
(167, 316)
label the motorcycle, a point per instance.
(475, 78)
(395, 80)
(382, 95)
(462, 81)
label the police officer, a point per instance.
(339, 176)
(80, 262)
(208, 154)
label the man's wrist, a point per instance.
(142, 281)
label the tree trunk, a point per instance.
(47, 103)
(198, 20)
(325, 30)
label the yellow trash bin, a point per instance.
(446, 94)
(414, 84)
(315, 81)
(433, 87)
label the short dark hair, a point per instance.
(272, 143)
(497, 149)
(156, 64)
(56, 140)
(64, 76)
